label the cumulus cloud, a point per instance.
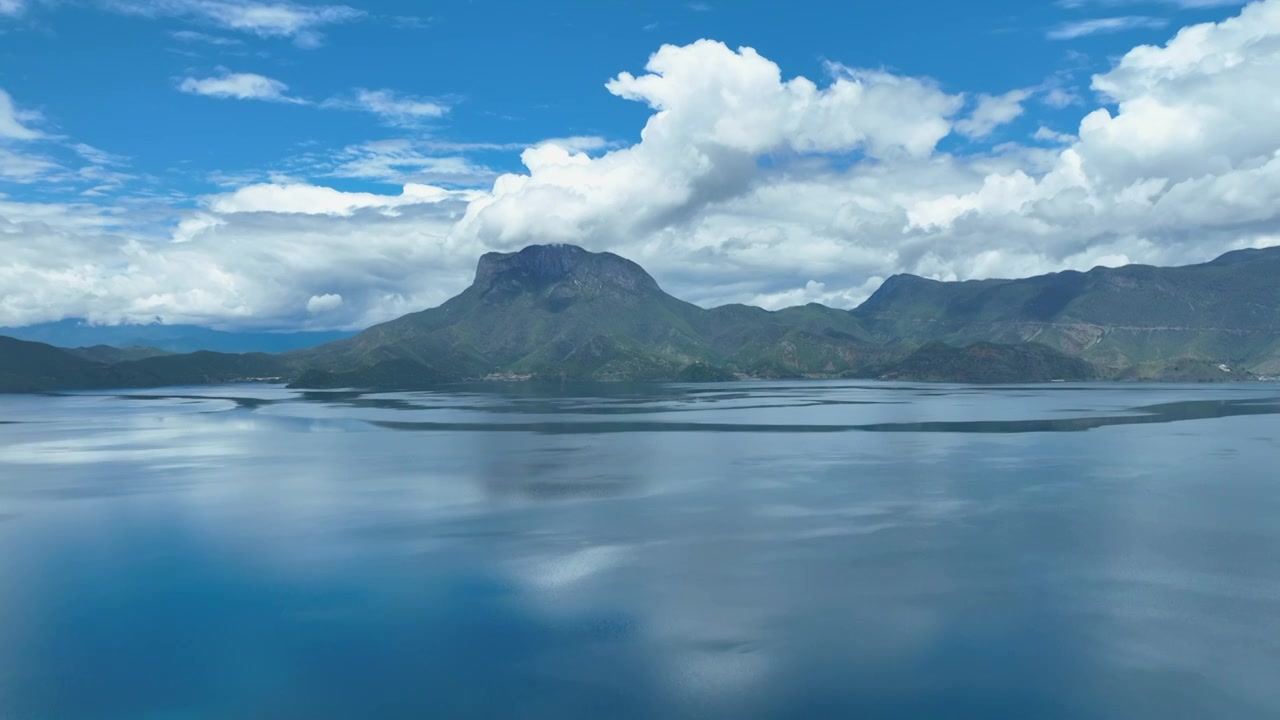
(745, 186)
(717, 112)
(263, 19)
(324, 303)
(239, 86)
(991, 112)
(1192, 150)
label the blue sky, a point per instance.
(244, 162)
(508, 71)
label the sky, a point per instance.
(254, 164)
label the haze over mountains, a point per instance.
(560, 312)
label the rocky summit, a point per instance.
(539, 266)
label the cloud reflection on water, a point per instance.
(268, 554)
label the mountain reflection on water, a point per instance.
(807, 549)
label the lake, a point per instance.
(745, 550)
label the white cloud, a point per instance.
(59, 217)
(580, 143)
(25, 167)
(194, 225)
(991, 112)
(244, 267)
(394, 108)
(391, 162)
(97, 156)
(817, 292)
(404, 162)
(743, 187)
(1095, 26)
(239, 86)
(1045, 134)
(264, 19)
(716, 112)
(12, 8)
(1197, 107)
(28, 167)
(1059, 98)
(191, 36)
(317, 200)
(13, 121)
(324, 303)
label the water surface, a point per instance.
(747, 550)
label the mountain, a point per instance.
(1226, 311)
(545, 310)
(170, 338)
(561, 312)
(199, 368)
(36, 367)
(990, 363)
(558, 312)
(110, 355)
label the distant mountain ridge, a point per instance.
(36, 367)
(111, 355)
(1225, 311)
(74, 333)
(559, 312)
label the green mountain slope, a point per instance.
(561, 312)
(36, 367)
(200, 368)
(990, 363)
(1226, 311)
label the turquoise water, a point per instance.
(724, 551)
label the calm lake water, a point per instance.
(751, 550)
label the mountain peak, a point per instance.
(538, 266)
